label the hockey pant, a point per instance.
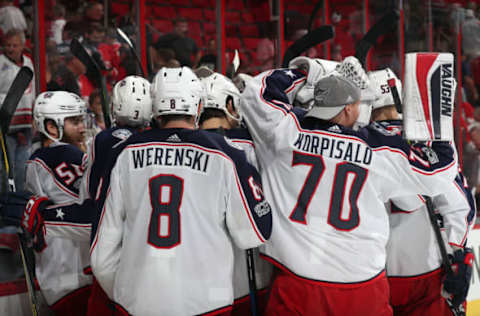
(292, 295)
(418, 295)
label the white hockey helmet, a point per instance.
(56, 106)
(379, 85)
(219, 89)
(176, 91)
(131, 101)
(241, 81)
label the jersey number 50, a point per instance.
(166, 192)
(343, 169)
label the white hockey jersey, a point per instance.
(55, 172)
(263, 268)
(328, 184)
(177, 199)
(412, 249)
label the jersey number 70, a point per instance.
(343, 169)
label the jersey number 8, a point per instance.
(166, 192)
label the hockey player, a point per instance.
(177, 197)
(413, 260)
(327, 185)
(55, 171)
(132, 111)
(220, 114)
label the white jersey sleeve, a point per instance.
(265, 108)
(457, 207)
(412, 249)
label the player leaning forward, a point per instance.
(327, 185)
(178, 196)
(54, 171)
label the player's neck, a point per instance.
(385, 114)
(215, 122)
(47, 142)
(179, 124)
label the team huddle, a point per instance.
(296, 196)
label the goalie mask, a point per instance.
(379, 85)
(56, 106)
(131, 102)
(176, 91)
(219, 90)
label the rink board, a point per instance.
(473, 308)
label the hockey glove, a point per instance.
(352, 70)
(455, 285)
(316, 69)
(12, 207)
(32, 220)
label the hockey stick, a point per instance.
(14, 94)
(92, 67)
(383, 26)
(314, 13)
(132, 49)
(457, 311)
(315, 37)
(252, 282)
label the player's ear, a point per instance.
(51, 128)
(230, 108)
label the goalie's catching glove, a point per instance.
(455, 286)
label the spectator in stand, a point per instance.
(209, 59)
(70, 30)
(183, 46)
(19, 138)
(11, 17)
(93, 12)
(164, 57)
(66, 76)
(471, 34)
(58, 23)
(266, 49)
(337, 52)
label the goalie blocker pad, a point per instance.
(429, 95)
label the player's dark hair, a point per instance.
(211, 113)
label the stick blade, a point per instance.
(315, 37)
(124, 36)
(14, 94)
(80, 52)
(383, 26)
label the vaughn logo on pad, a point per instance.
(429, 96)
